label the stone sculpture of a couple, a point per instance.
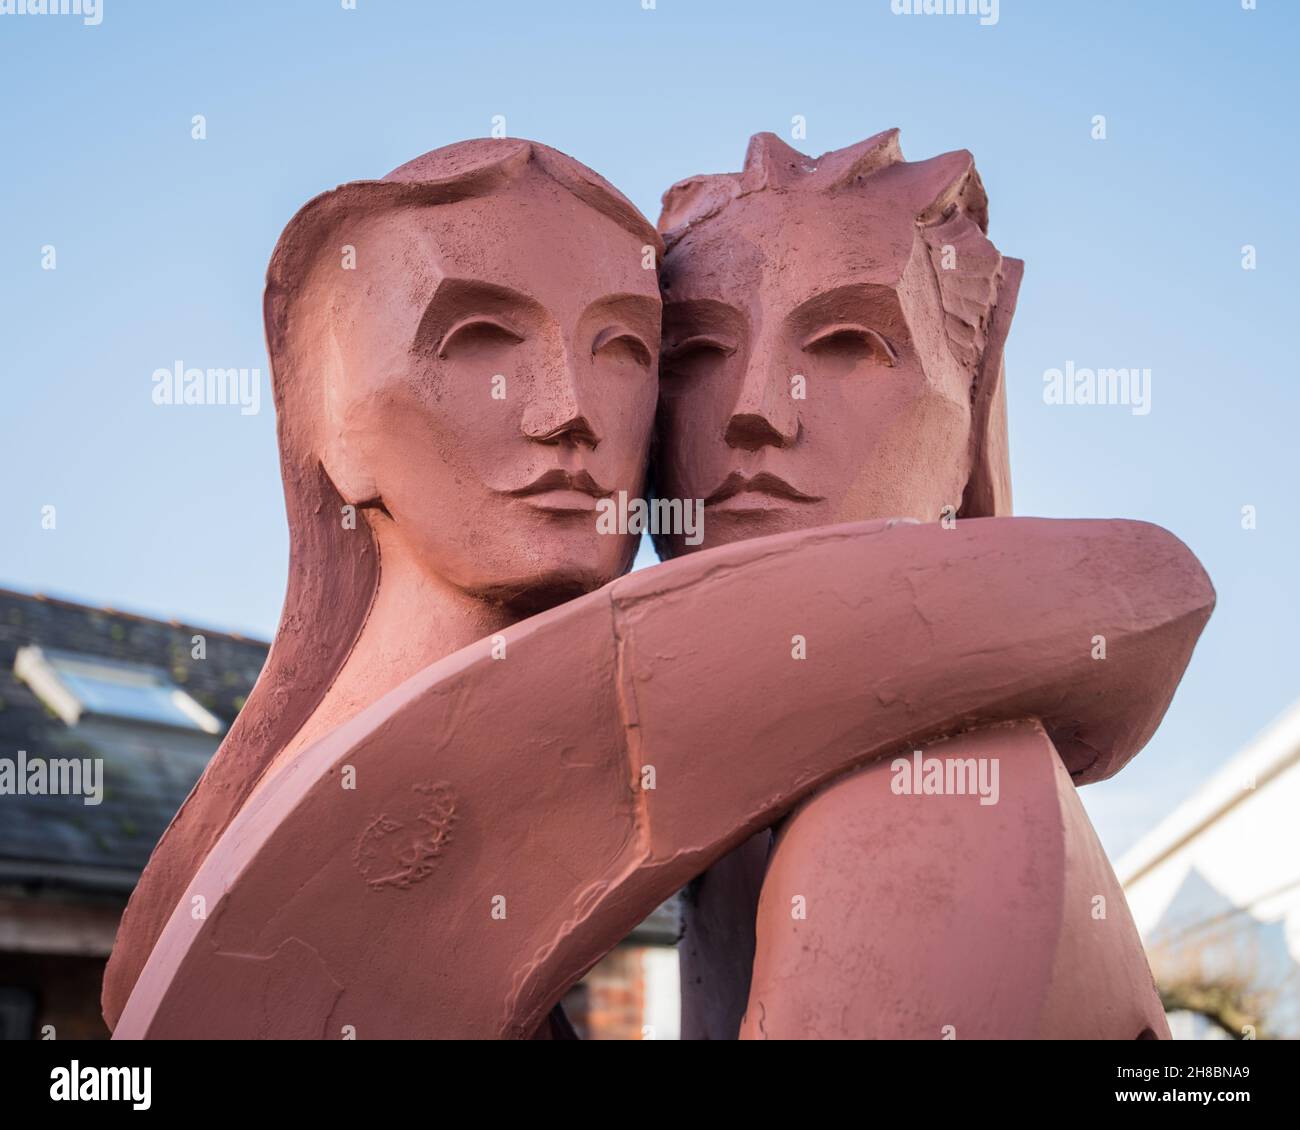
(478, 754)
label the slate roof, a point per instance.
(59, 841)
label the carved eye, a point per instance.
(618, 343)
(699, 351)
(848, 341)
(478, 332)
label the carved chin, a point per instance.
(530, 595)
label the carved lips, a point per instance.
(562, 491)
(741, 492)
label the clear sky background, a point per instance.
(1133, 250)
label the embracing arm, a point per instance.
(510, 820)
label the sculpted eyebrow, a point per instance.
(455, 299)
(853, 299)
(633, 307)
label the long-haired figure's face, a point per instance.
(807, 379)
(493, 373)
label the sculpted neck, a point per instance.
(415, 620)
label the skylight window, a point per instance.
(74, 685)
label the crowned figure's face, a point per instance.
(807, 378)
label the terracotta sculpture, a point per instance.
(464, 356)
(465, 776)
(833, 338)
(490, 854)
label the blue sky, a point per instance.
(1133, 250)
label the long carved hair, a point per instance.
(950, 207)
(333, 571)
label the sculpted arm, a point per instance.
(512, 819)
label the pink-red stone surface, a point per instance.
(476, 759)
(1003, 920)
(430, 504)
(374, 906)
(833, 352)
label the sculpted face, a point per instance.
(831, 297)
(493, 377)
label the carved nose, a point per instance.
(554, 415)
(575, 431)
(752, 430)
(765, 414)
